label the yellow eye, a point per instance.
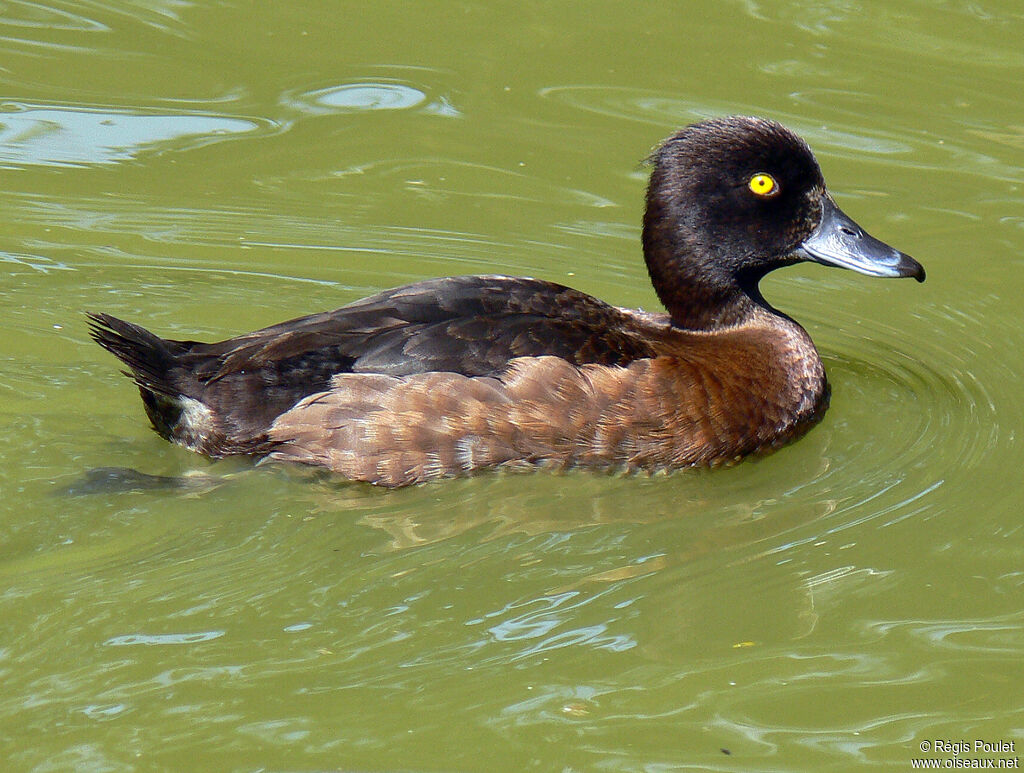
(763, 184)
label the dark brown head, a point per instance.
(731, 199)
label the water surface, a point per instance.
(207, 169)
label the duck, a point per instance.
(449, 376)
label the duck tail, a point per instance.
(153, 364)
(150, 359)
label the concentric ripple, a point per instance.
(910, 412)
(369, 95)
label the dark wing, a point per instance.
(471, 325)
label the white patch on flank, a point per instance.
(195, 422)
(465, 452)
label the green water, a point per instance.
(207, 169)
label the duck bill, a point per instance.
(839, 241)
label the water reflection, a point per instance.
(40, 263)
(441, 179)
(58, 136)
(853, 139)
(370, 96)
(807, 611)
(134, 639)
(33, 18)
(363, 96)
(924, 144)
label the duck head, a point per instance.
(731, 199)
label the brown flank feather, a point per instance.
(750, 393)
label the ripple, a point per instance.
(814, 16)
(18, 13)
(912, 411)
(921, 27)
(134, 639)
(430, 182)
(645, 105)
(369, 96)
(543, 624)
(40, 135)
(851, 138)
(23, 22)
(38, 263)
(994, 636)
(915, 143)
(447, 178)
(104, 711)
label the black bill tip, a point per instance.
(839, 241)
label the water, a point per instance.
(210, 169)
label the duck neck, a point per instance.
(698, 294)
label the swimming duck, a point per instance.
(447, 376)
